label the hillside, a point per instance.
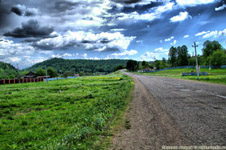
(78, 65)
(7, 70)
(6, 66)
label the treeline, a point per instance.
(64, 67)
(213, 54)
(79, 66)
(8, 71)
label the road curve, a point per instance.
(174, 112)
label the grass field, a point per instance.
(214, 76)
(38, 116)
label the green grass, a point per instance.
(217, 76)
(37, 116)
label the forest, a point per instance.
(213, 54)
(65, 67)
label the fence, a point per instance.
(24, 80)
(185, 67)
(28, 80)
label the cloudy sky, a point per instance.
(35, 30)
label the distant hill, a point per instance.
(6, 66)
(7, 70)
(80, 65)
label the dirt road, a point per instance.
(173, 112)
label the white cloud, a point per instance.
(173, 43)
(161, 50)
(84, 56)
(157, 54)
(61, 55)
(220, 8)
(186, 36)
(14, 59)
(88, 40)
(181, 17)
(125, 53)
(169, 39)
(193, 2)
(118, 30)
(211, 34)
(9, 48)
(201, 33)
(153, 13)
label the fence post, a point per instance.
(14, 81)
(3, 81)
(30, 79)
(9, 81)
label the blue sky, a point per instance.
(33, 31)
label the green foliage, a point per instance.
(209, 47)
(36, 116)
(52, 72)
(132, 65)
(67, 74)
(76, 66)
(159, 64)
(40, 72)
(218, 58)
(182, 59)
(173, 56)
(119, 67)
(144, 64)
(7, 71)
(214, 75)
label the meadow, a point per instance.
(63, 114)
(217, 76)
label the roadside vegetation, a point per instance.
(64, 114)
(214, 75)
(213, 55)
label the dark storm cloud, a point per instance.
(4, 13)
(23, 11)
(127, 1)
(30, 29)
(64, 5)
(141, 8)
(16, 11)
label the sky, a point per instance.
(32, 31)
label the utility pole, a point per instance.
(197, 64)
(18, 75)
(46, 76)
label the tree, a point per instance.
(52, 72)
(182, 59)
(144, 64)
(40, 72)
(173, 56)
(218, 58)
(119, 67)
(209, 47)
(132, 65)
(67, 73)
(158, 64)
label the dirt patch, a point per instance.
(147, 125)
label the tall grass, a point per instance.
(64, 114)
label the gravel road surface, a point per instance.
(174, 112)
